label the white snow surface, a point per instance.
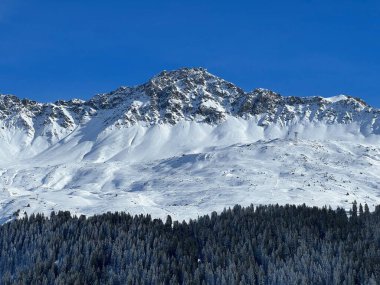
(191, 169)
(145, 150)
(337, 98)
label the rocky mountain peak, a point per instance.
(182, 73)
(191, 81)
(191, 94)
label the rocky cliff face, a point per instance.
(184, 94)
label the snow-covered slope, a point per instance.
(186, 143)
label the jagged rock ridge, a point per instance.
(184, 94)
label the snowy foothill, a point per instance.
(191, 169)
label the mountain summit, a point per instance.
(184, 94)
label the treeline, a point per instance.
(253, 245)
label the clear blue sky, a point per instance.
(52, 49)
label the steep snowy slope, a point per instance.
(186, 143)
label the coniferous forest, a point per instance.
(253, 245)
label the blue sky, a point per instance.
(64, 49)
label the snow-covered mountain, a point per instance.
(186, 143)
